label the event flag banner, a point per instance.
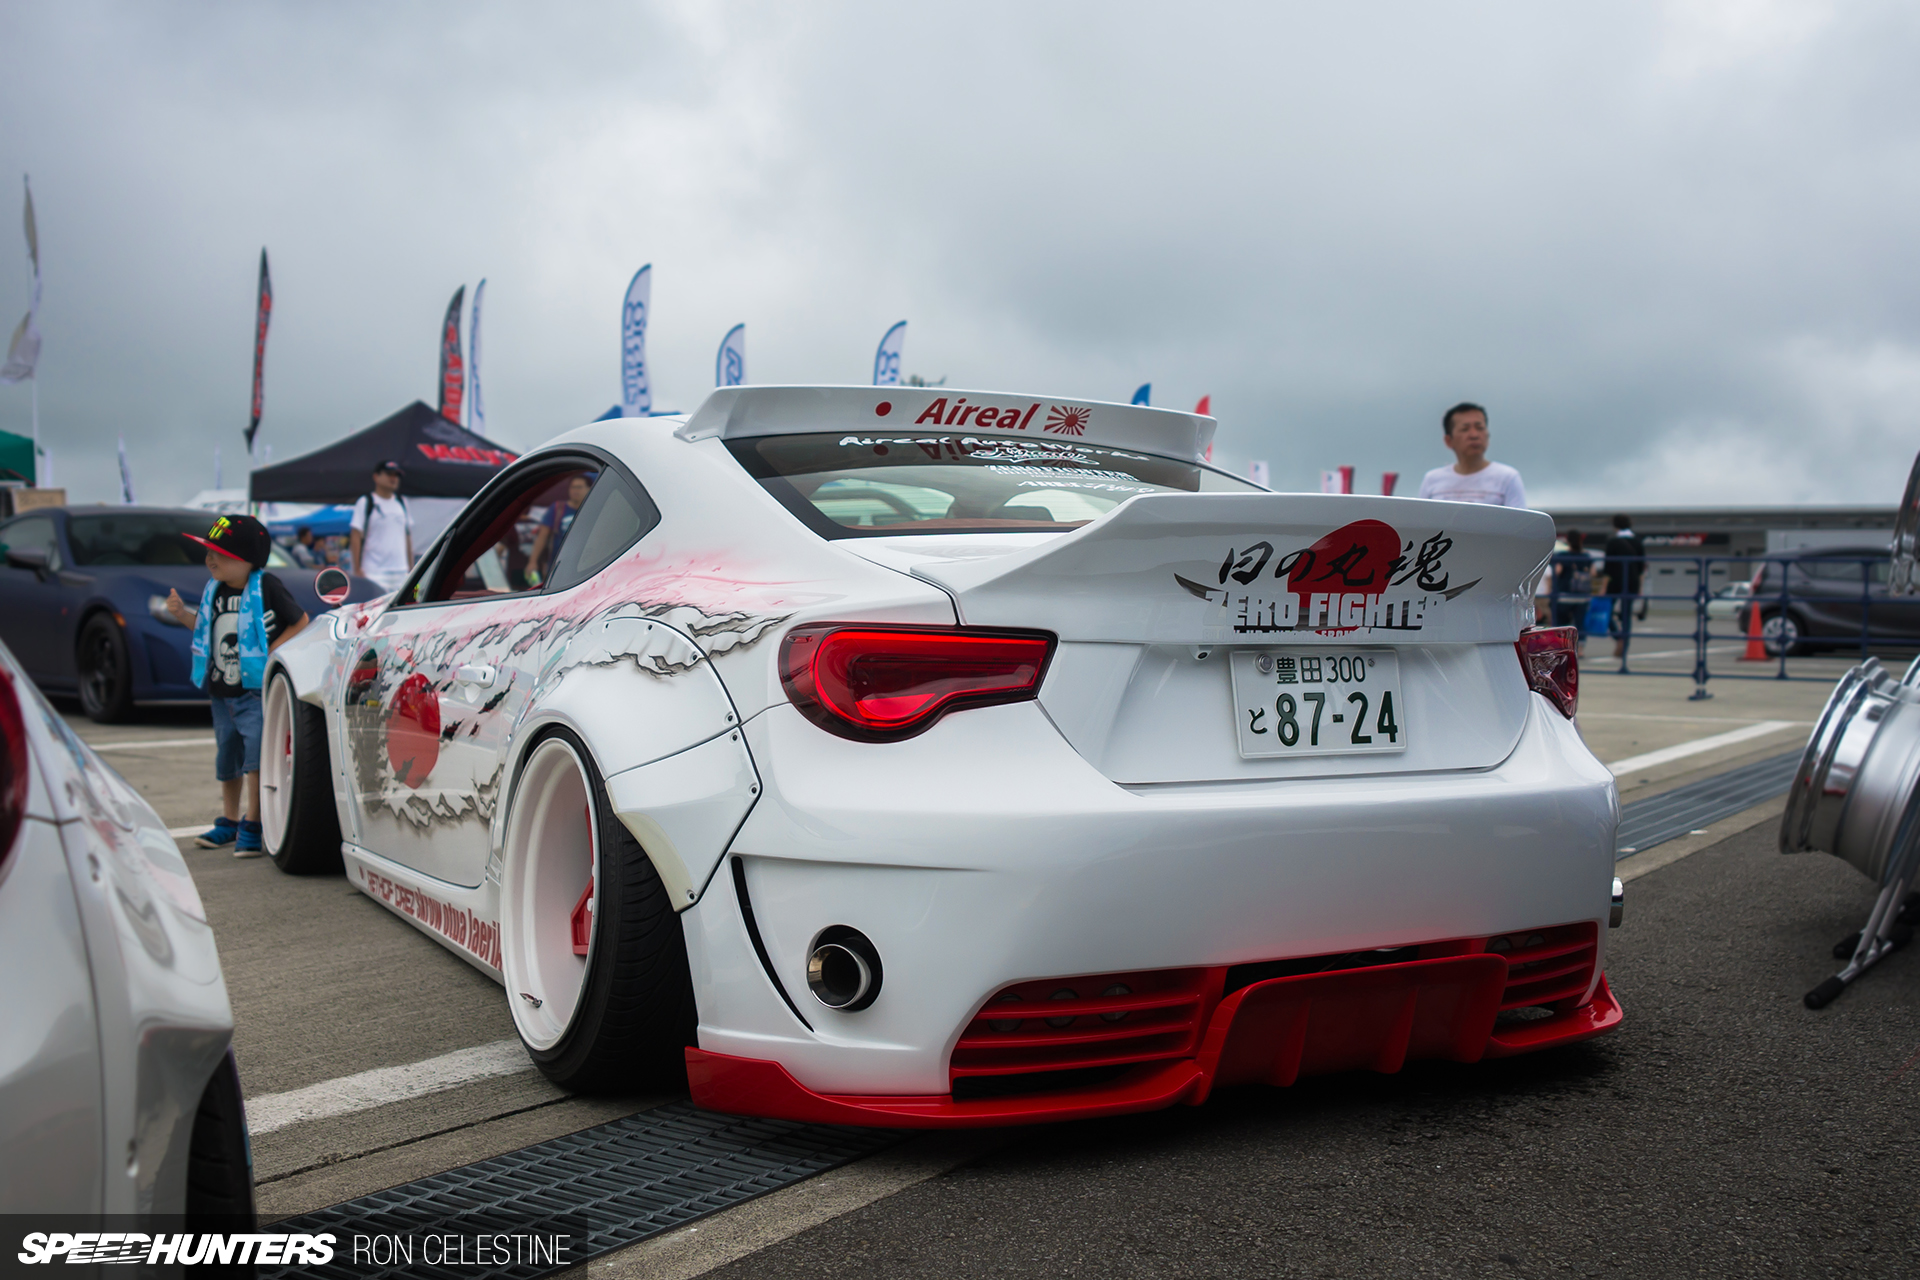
(262, 313)
(886, 360)
(126, 476)
(23, 353)
(730, 366)
(476, 410)
(1144, 395)
(636, 395)
(453, 380)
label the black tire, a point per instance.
(1784, 630)
(311, 846)
(219, 1158)
(636, 1015)
(106, 674)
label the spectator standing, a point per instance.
(245, 613)
(554, 528)
(382, 530)
(303, 552)
(1625, 565)
(1473, 477)
(1572, 583)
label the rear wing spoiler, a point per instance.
(731, 412)
(1268, 568)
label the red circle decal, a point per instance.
(413, 730)
(884, 408)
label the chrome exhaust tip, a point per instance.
(843, 969)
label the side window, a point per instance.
(617, 514)
(508, 546)
(30, 533)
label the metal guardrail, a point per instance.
(1570, 609)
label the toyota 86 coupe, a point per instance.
(920, 757)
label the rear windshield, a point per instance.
(147, 537)
(852, 486)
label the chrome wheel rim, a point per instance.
(549, 862)
(276, 764)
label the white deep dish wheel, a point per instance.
(618, 1017)
(550, 856)
(298, 821)
(276, 764)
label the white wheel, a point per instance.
(276, 764)
(298, 821)
(549, 894)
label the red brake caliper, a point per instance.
(583, 909)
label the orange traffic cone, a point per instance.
(1756, 647)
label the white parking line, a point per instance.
(141, 744)
(181, 833)
(1698, 745)
(384, 1085)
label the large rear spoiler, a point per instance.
(1268, 568)
(943, 411)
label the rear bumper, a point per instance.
(1273, 1032)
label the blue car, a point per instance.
(81, 598)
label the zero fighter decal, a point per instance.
(1361, 576)
(398, 718)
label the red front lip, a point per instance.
(1294, 1026)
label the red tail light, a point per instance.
(882, 684)
(15, 767)
(1550, 658)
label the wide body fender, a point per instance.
(654, 715)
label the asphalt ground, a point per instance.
(326, 985)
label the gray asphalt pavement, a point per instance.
(1724, 1130)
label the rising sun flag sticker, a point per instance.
(1067, 420)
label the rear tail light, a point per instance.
(882, 684)
(15, 766)
(1550, 658)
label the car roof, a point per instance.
(733, 412)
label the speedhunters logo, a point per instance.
(434, 1252)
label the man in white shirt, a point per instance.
(382, 530)
(1472, 477)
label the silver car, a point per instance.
(118, 1092)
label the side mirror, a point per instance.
(33, 558)
(332, 585)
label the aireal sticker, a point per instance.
(1061, 419)
(1361, 577)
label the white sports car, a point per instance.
(921, 757)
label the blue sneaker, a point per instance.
(247, 844)
(219, 836)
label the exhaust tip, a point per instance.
(843, 969)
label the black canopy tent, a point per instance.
(442, 460)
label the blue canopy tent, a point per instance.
(327, 522)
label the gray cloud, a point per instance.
(1667, 245)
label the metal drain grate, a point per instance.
(1647, 823)
(616, 1184)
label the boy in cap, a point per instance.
(244, 615)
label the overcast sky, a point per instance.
(1671, 247)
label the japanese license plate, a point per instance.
(1308, 702)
